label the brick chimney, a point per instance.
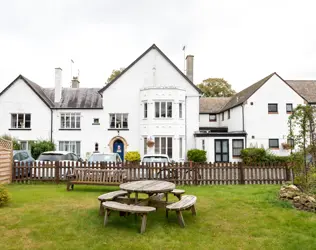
(189, 72)
(75, 82)
(58, 84)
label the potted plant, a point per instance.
(286, 146)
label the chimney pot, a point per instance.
(189, 72)
(75, 82)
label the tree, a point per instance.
(38, 147)
(302, 131)
(115, 73)
(216, 87)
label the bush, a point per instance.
(39, 147)
(4, 196)
(16, 145)
(196, 155)
(260, 155)
(132, 156)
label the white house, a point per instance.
(149, 100)
(153, 100)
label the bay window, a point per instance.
(163, 109)
(163, 145)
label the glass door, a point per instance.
(221, 150)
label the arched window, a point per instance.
(96, 147)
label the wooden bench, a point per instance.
(178, 193)
(110, 197)
(187, 202)
(87, 176)
(133, 209)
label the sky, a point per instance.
(241, 41)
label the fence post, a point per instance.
(196, 168)
(241, 173)
(57, 172)
(287, 172)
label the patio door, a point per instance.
(221, 150)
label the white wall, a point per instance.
(126, 96)
(205, 121)
(260, 124)
(235, 121)
(88, 134)
(210, 147)
(20, 98)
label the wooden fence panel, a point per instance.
(5, 161)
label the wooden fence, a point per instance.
(187, 173)
(5, 161)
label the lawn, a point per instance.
(46, 216)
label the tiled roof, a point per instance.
(305, 88)
(212, 104)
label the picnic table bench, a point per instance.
(133, 209)
(87, 176)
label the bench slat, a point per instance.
(112, 205)
(185, 202)
(112, 195)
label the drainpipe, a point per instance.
(185, 128)
(243, 123)
(51, 125)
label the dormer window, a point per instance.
(212, 118)
(163, 109)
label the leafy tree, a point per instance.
(302, 131)
(115, 73)
(38, 147)
(216, 87)
(16, 144)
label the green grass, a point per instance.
(46, 216)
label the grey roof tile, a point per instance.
(305, 88)
(212, 104)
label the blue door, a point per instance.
(118, 147)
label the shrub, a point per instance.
(132, 156)
(16, 145)
(260, 155)
(4, 196)
(38, 147)
(196, 155)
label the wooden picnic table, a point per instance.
(149, 187)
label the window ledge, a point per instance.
(273, 113)
(275, 148)
(213, 121)
(70, 129)
(27, 129)
(289, 112)
(237, 157)
(96, 123)
(163, 118)
(120, 129)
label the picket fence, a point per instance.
(187, 173)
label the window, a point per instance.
(223, 116)
(163, 109)
(145, 109)
(70, 146)
(203, 144)
(20, 121)
(212, 118)
(238, 145)
(96, 121)
(145, 146)
(289, 108)
(273, 143)
(96, 147)
(70, 120)
(228, 114)
(119, 121)
(221, 150)
(290, 142)
(272, 108)
(180, 110)
(180, 148)
(163, 145)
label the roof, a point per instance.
(154, 46)
(243, 95)
(306, 88)
(76, 98)
(212, 104)
(72, 98)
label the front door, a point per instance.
(221, 150)
(118, 147)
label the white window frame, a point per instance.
(119, 125)
(145, 114)
(159, 141)
(70, 120)
(163, 104)
(21, 125)
(181, 148)
(72, 146)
